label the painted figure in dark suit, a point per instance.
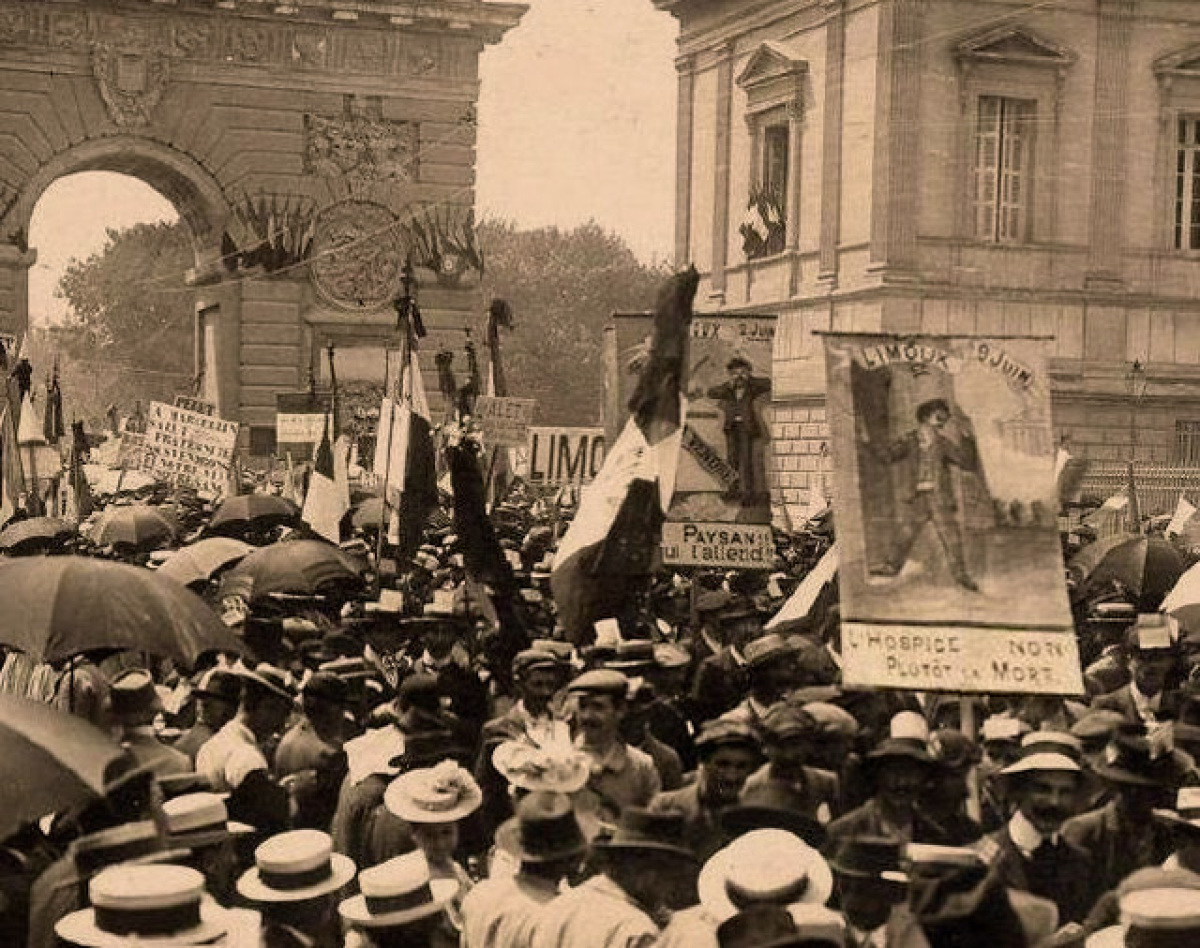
(744, 431)
(923, 459)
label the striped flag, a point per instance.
(612, 543)
(405, 461)
(327, 501)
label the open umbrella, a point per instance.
(200, 561)
(136, 526)
(294, 567)
(51, 761)
(1183, 601)
(245, 512)
(35, 535)
(59, 606)
(1147, 566)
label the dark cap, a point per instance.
(603, 681)
(324, 686)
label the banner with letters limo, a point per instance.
(951, 575)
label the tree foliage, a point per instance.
(130, 333)
(564, 286)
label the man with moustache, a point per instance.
(1030, 852)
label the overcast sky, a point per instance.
(576, 122)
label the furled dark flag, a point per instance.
(610, 547)
(484, 559)
(52, 420)
(77, 502)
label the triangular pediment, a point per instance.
(1185, 61)
(1015, 45)
(769, 62)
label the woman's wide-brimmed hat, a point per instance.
(545, 829)
(443, 793)
(295, 866)
(554, 764)
(396, 893)
(150, 906)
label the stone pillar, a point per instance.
(14, 289)
(831, 140)
(895, 186)
(1108, 142)
(218, 325)
(795, 114)
(724, 123)
(685, 66)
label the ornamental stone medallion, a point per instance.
(357, 256)
(132, 72)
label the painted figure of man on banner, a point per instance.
(944, 475)
(746, 436)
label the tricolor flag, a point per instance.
(76, 502)
(405, 461)
(327, 501)
(613, 540)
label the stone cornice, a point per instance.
(305, 37)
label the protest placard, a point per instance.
(720, 545)
(505, 421)
(300, 422)
(198, 405)
(951, 574)
(565, 455)
(722, 477)
(188, 448)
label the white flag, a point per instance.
(1184, 512)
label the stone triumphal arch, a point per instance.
(312, 146)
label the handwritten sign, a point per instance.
(723, 545)
(300, 423)
(188, 448)
(505, 421)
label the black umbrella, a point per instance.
(35, 535)
(56, 607)
(237, 515)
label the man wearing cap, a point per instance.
(445, 623)
(872, 888)
(621, 776)
(546, 840)
(729, 752)
(721, 679)
(787, 781)
(897, 769)
(217, 695)
(1123, 836)
(645, 873)
(770, 672)
(738, 398)
(134, 703)
(1152, 661)
(1030, 852)
(313, 746)
(233, 761)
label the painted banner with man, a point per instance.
(720, 512)
(946, 505)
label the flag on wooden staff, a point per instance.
(614, 539)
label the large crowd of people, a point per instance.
(388, 765)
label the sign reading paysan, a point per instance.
(736, 545)
(565, 455)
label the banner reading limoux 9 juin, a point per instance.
(951, 574)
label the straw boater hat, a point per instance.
(444, 793)
(396, 893)
(200, 819)
(545, 829)
(1047, 752)
(295, 866)
(1160, 908)
(765, 866)
(149, 906)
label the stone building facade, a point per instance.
(341, 122)
(955, 166)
